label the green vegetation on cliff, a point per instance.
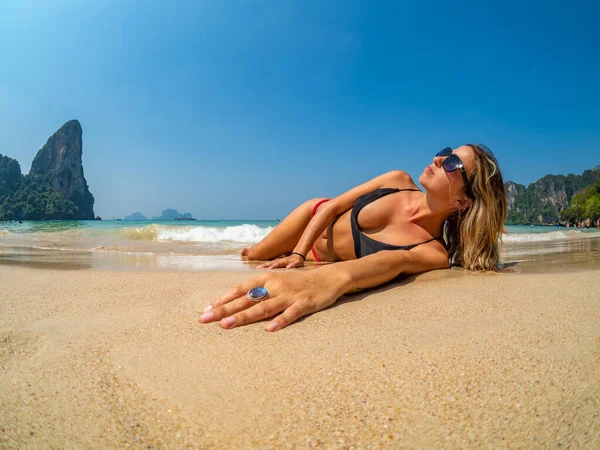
(584, 205)
(27, 197)
(543, 201)
(55, 188)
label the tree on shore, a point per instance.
(584, 205)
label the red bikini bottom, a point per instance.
(314, 210)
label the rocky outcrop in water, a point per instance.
(542, 201)
(59, 165)
(172, 214)
(55, 188)
(135, 216)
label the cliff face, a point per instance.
(542, 201)
(59, 165)
(512, 190)
(10, 174)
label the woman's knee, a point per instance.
(313, 202)
(254, 254)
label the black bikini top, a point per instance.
(363, 244)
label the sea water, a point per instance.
(199, 237)
(212, 244)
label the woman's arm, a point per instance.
(381, 267)
(326, 213)
(299, 293)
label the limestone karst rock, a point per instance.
(10, 173)
(59, 164)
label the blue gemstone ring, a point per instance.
(257, 294)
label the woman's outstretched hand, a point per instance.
(291, 295)
(289, 262)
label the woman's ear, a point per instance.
(463, 203)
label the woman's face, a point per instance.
(448, 186)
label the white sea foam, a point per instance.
(247, 234)
(540, 237)
(240, 234)
(4, 232)
(42, 247)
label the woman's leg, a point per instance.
(284, 237)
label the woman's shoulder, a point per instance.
(399, 179)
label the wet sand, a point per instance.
(556, 256)
(113, 359)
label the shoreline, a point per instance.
(97, 359)
(553, 254)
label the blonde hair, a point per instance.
(472, 235)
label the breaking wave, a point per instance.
(240, 234)
(540, 237)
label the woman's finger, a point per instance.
(226, 310)
(265, 265)
(294, 264)
(290, 315)
(239, 290)
(269, 264)
(260, 311)
(274, 264)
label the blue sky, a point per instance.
(243, 109)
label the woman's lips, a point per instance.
(429, 170)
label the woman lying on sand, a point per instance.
(373, 233)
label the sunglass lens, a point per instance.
(445, 152)
(451, 163)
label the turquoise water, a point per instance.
(199, 237)
(99, 225)
(194, 237)
(215, 244)
(111, 225)
(527, 229)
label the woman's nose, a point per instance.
(438, 160)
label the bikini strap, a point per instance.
(441, 239)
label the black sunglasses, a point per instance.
(452, 163)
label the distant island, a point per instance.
(167, 214)
(135, 216)
(172, 214)
(554, 199)
(55, 188)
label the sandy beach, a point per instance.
(151, 153)
(117, 359)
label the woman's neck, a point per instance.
(429, 214)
